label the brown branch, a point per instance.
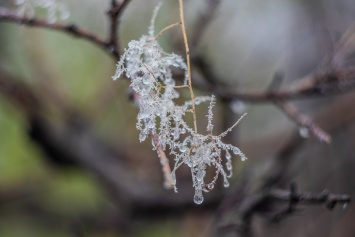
(114, 14)
(262, 204)
(18, 94)
(326, 198)
(336, 81)
(291, 111)
(304, 121)
(71, 29)
(316, 85)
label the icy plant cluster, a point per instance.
(55, 9)
(149, 69)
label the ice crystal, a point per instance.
(55, 9)
(149, 68)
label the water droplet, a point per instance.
(142, 137)
(226, 183)
(210, 186)
(229, 166)
(206, 190)
(51, 17)
(200, 175)
(64, 15)
(198, 198)
(345, 206)
(197, 101)
(230, 174)
(176, 134)
(176, 118)
(183, 148)
(46, 4)
(143, 114)
(151, 125)
(170, 82)
(153, 144)
(173, 177)
(183, 131)
(236, 151)
(304, 132)
(64, 12)
(146, 81)
(228, 155)
(237, 107)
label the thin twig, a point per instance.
(313, 86)
(165, 29)
(260, 204)
(304, 121)
(114, 13)
(235, 124)
(324, 198)
(71, 29)
(307, 88)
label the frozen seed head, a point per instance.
(149, 68)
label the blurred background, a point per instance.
(70, 160)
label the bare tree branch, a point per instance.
(204, 20)
(261, 204)
(325, 83)
(304, 122)
(70, 29)
(114, 14)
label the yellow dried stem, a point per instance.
(165, 29)
(183, 28)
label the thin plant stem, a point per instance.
(165, 29)
(177, 87)
(235, 124)
(183, 28)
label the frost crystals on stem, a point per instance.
(149, 68)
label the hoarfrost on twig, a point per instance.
(148, 67)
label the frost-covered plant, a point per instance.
(149, 68)
(55, 9)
